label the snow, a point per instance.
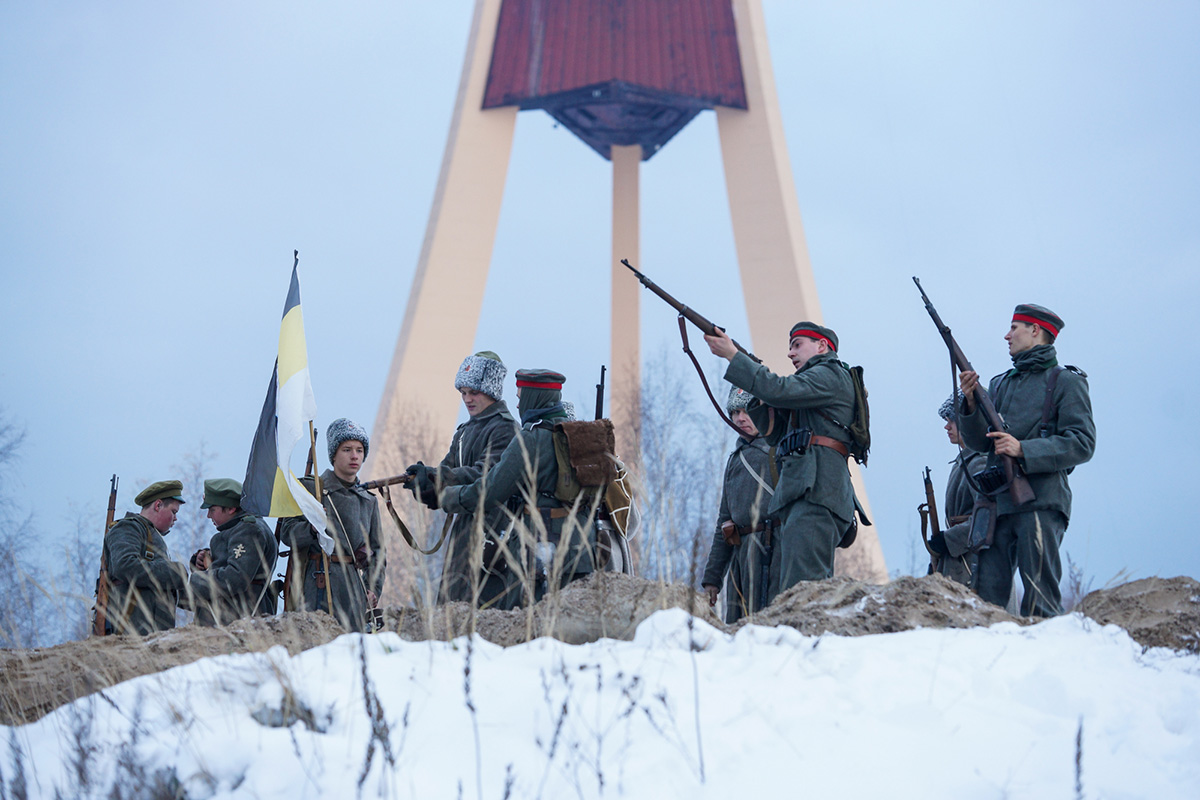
(681, 711)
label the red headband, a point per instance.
(1035, 321)
(812, 335)
(533, 385)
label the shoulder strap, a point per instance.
(1048, 403)
(754, 474)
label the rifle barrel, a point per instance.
(392, 481)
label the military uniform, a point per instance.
(144, 582)
(1028, 537)
(959, 562)
(745, 496)
(475, 449)
(235, 584)
(814, 500)
(357, 563)
(527, 476)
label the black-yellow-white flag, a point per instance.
(271, 488)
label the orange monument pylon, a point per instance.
(624, 77)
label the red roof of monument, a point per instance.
(683, 47)
(617, 72)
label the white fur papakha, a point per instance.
(483, 373)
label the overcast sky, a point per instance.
(160, 161)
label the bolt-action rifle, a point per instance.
(100, 617)
(600, 395)
(705, 325)
(929, 521)
(1015, 481)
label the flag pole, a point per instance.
(312, 455)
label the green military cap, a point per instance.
(812, 330)
(1039, 315)
(160, 490)
(224, 492)
(540, 379)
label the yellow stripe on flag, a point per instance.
(293, 354)
(282, 503)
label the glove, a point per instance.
(361, 556)
(424, 485)
(937, 544)
(414, 484)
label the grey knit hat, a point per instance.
(738, 400)
(483, 372)
(947, 409)
(343, 430)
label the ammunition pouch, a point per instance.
(794, 442)
(982, 524)
(991, 480)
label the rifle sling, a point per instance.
(699, 371)
(408, 537)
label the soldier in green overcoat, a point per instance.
(550, 537)
(804, 416)
(474, 450)
(144, 583)
(1049, 430)
(741, 546)
(352, 575)
(956, 558)
(231, 577)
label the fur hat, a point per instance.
(483, 372)
(738, 400)
(947, 409)
(343, 430)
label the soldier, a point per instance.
(550, 533)
(230, 576)
(145, 582)
(956, 558)
(1047, 411)
(742, 542)
(804, 416)
(353, 522)
(474, 450)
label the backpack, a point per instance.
(859, 429)
(587, 466)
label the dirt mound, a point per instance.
(604, 605)
(35, 682)
(850, 608)
(1157, 612)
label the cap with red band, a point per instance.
(540, 379)
(812, 330)
(1039, 315)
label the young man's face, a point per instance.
(162, 514)
(1021, 336)
(348, 459)
(744, 423)
(220, 514)
(952, 431)
(803, 348)
(475, 401)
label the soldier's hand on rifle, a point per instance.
(967, 382)
(721, 345)
(372, 600)
(712, 592)
(1005, 444)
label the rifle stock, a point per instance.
(100, 617)
(929, 521)
(705, 325)
(1018, 485)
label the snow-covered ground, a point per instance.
(1063, 709)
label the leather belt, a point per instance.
(746, 530)
(335, 558)
(547, 513)
(832, 444)
(958, 519)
